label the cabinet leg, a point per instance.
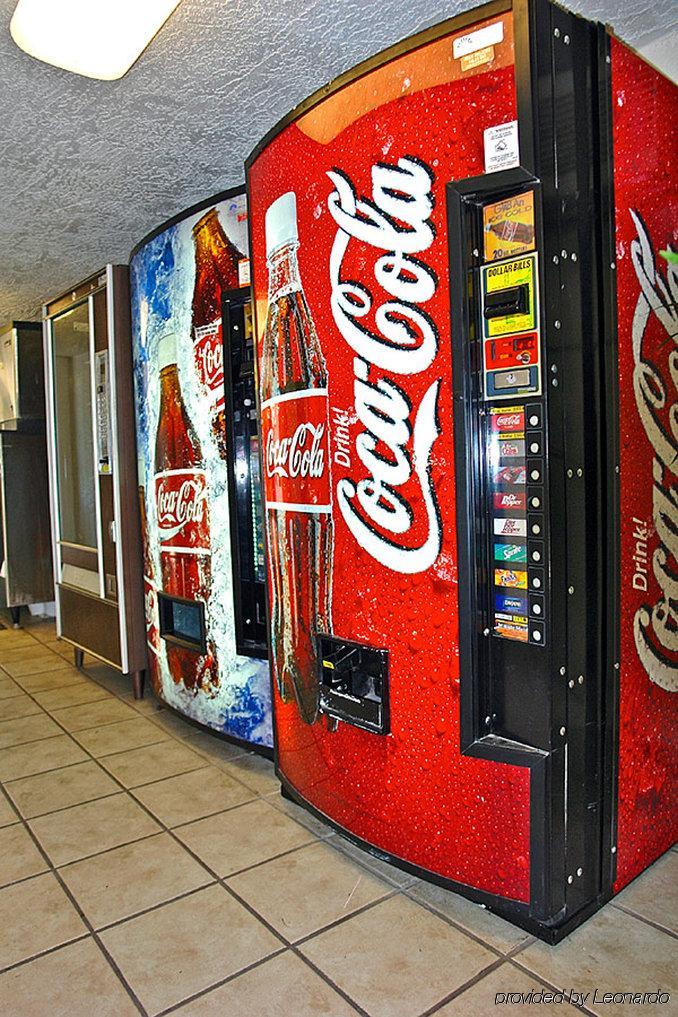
(79, 656)
(16, 614)
(138, 684)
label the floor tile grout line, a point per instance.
(224, 981)
(65, 808)
(105, 755)
(41, 773)
(303, 940)
(198, 819)
(641, 918)
(551, 986)
(83, 918)
(329, 981)
(461, 989)
(455, 925)
(100, 929)
(43, 953)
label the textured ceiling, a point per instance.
(88, 167)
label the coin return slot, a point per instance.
(514, 300)
(182, 622)
(354, 683)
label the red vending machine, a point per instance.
(464, 288)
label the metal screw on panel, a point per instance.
(566, 40)
(476, 252)
(607, 59)
(563, 254)
(556, 32)
(556, 323)
(573, 256)
(614, 849)
(570, 590)
(580, 872)
(616, 666)
(563, 670)
(570, 474)
(488, 721)
(580, 679)
(554, 382)
(562, 731)
(616, 469)
(570, 684)
(486, 632)
(613, 265)
(554, 368)
(580, 472)
(570, 879)
(556, 259)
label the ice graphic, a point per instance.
(163, 275)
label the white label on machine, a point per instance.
(501, 147)
(472, 41)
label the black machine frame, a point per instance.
(248, 594)
(563, 93)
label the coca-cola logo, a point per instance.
(180, 500)
(301, 455)
(508, 421)
(507, 449)
(209, 359)
(404, 342)
(150, 604)
(655, 625)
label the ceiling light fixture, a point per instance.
(96, 38)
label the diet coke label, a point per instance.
(181, 509)
(296, 451)
(510, 527)
(209, 361)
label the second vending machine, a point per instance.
(199, 490)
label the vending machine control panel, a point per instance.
(247, 526)
(501, 445)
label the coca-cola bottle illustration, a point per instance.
(182, 519)
(216, 269)
(513, 231)
(294, 422)
(150, 591)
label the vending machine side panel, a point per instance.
(350, 272)
(198, 463)
(644, 113)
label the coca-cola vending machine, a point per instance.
(464, 289)
(198, 468)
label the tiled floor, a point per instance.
(146, 867)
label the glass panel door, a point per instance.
(74, 427)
